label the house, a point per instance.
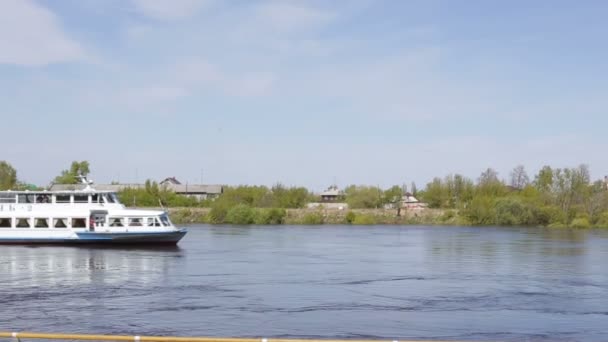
(199, 191)
(332, 194)
(332, 198)
(408, 201)
(170, 180)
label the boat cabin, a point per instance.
(68, 197)
(73, 210)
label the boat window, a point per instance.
(43, 199)
(79, 222)
(26, 198)
(116, 222)
(95, 198)
(5, 222)
(135, 222)
(153, 222)
(8, 198)
(60, 223)
(81, 198)
(165, 220)
(108, 198)
(23, 223)
(62, 198)
(41, 223)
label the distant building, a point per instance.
(332, 198)
(199, 191)
(170, 180)
(332, 194)
(408, 201)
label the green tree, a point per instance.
(359, 196)
(294, 197)
(436, 194)
(481, 211)
(489, 185)
(461, 190)
(71, 176)
(571, 187)
(452, 192)
(514, 212)
(8, 176)
(392, 195)
(544, 179)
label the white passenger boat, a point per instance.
(80, 216)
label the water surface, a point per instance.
(331, 281)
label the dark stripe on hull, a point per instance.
(169, 238)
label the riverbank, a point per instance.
(335, 216)
(331, 216)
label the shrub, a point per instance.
(548, 215)
(350, 217)
(181, 216)
(218, 212)
(270, 216)
(580, 222)
(447, 216)
(313, 218)
(481, 211)
(363, 219)
(513, 212)
(602, 221)
(240, 214)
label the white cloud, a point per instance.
(286, 17)
(30, 35)
(170, 10)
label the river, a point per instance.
(454, 283)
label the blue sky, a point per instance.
(302, 92)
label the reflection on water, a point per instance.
(47, 267)
(331, 281)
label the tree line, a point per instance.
(553, 197)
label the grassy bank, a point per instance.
(313, 216)
(244, 215)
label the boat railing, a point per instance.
(20, 336)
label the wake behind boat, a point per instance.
(80, 216)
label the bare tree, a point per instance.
(519, 177)
(489, 176)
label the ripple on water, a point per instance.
(330, 282)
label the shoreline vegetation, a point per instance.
(355, 217)
(554, 197)
(265, 216)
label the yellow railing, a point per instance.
(87, 337)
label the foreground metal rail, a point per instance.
(86, 337)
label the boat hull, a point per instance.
(151, 238)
